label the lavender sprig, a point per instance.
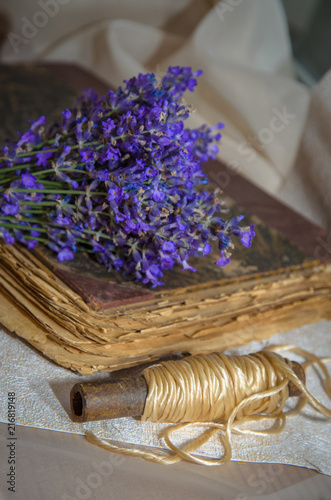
(120, 177)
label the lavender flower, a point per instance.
(119, 177)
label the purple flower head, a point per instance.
(66, 150)
(115, 194)
(9, 209)
(163, 140)
(233, 223)
(38, 123)
(109, 153)
(187, 267)
(247, 235)
(107, 127)
(150, 171)
(207, 249)
(152, 274)
(167, 262)
(62, 221)
(28, 181)
(89, 95)
(180, 223)
(65, 254)
(103, 175)
(223, 241)
(66, 114)
(35, 232)
(223, 259)
(97, 247)
(42, 158)
(31, 244)
(118, 264)
(178, 79)
(168, 246)
(157, 195)
(67, 179)
(27, 138)
(5, 234)
(87, 155)
(66, 117)
(111, 97)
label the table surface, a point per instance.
(57, 465)
(52, 465)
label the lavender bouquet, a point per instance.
(119, 177)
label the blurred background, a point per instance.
(309, 24)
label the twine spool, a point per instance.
(218, 393)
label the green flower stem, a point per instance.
(35, 152)
(46, 171)
(42, 240)
(36, 221)
(21, 166)
(18, 226)
(54, 170)
(108, 214)
(31, 210)
(66, 205)
(43, 222)
(81, 240)
(51, 141)
(24, 219)
(100, 235)
(45, 204)
(108, 114)
(25, 165)
(77, 146)
(46, 143)
(53, 184)
(8, 180)
(49, 191)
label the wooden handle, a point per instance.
(126, 397)
(105, 400)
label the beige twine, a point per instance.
(218, 393)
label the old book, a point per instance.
(87, 319)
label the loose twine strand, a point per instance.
(219, 393)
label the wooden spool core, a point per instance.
(300, 373)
